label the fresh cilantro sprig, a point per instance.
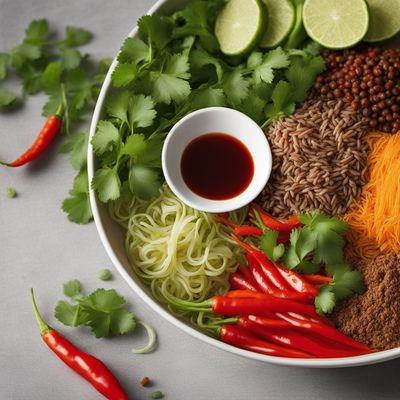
(103, 311)
(56, 66)
(318, 243)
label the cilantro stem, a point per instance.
(65, 101)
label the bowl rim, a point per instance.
(257, 183)
(373, 358)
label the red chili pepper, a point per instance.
(249, 294)
(267, 287)
(268, 268)
(238, 281)
(244, 306)
(324, 330)
(249, 276)
(241, 338)
(317, 279)
(296, 340)
(43, 140)
(89, 367)
(296, 281)
(240, 230)
(273, 223)
(247, 230)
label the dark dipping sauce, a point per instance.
(217, 166)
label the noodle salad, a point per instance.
(266, 278)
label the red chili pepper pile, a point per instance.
(273, 306)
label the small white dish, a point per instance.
(216, 120)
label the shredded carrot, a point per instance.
(374, 218)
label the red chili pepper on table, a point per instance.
(89, 367)
(292, 339)
(43, 140)
(238, 337)
(269, 288)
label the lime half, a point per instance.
(240, 25)
(384, 19)
(336, 24)
(280, 21)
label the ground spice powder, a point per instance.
(373, 318)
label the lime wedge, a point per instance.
(384, 19)
(336, 24)
(240, 25)
(280, 21)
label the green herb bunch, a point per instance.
(318, 244)
(55, 66)
(173, 68)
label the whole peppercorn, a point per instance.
(369, 79)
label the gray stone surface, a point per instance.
(40, 248)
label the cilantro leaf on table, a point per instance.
(77, 206)
(3, 65)
(70, 58)
(7, 98)
(75, 37)
(37, 31)
(103, 311)
(76, 146)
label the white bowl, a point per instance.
(216, 120)
(112, 238)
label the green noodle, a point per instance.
(176, 250)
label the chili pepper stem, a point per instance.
(60, 111)
(44, 328)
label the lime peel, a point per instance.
(280, 20)
(240, 26)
